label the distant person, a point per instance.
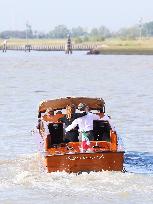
(68, 46)
(4, 45)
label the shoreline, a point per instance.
(107, 47)
(121, 51)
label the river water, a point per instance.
(126, 85)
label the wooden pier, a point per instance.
(75, 47)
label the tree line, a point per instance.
(81, 34)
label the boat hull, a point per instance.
(80, 162)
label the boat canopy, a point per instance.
(58, 104)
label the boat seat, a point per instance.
(101, 129)
(56, 134)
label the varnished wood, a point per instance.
(52, 118)
(111, 161)
(57, 104)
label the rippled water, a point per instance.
(124, 82)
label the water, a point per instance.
(124, 82)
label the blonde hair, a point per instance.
(69, 111)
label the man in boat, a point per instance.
(104, 116)
(71, 115)
(48, 116)
(84, 123)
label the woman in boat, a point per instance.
(71, 115)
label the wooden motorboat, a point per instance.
(103, 153)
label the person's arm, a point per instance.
(72, 126)
(39, 114)
(96, 117)
(78, 115)
(110, 122)
(61, 120)
(38, 125)
(46, 128)
(112, 125)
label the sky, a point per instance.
(44, 15)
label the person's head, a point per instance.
(73, 108)
(83, 107)
(59, 112)
(70, 110)
(50, 111)
(102, 111)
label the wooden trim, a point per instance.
(58, 104)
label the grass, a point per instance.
(143, 43)
(38, 42)
(108, 46)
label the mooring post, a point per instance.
(4, 45)
(68, 46)
(28, 48)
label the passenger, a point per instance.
(105, 117)
(59, 112)
(40, 116)
(50, 112)
(49, 115)
(71, 115)
(38, 124)
(85, 123)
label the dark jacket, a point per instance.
(71, 136)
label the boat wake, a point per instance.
(27, 170)
(19, 176)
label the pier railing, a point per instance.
(75, 47)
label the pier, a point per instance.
(57, 47)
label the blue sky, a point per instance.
(44, 15)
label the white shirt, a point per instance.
(46, 127)
(85, 123)
(107, 118)
(5, 42)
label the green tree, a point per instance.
(78, 40)
(94, 32)
(29, 31)
(129, 33)
(60, 31)
(78, 32)
(148, 29)
(104, 32)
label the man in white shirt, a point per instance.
(84, 123)
(105, 117)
